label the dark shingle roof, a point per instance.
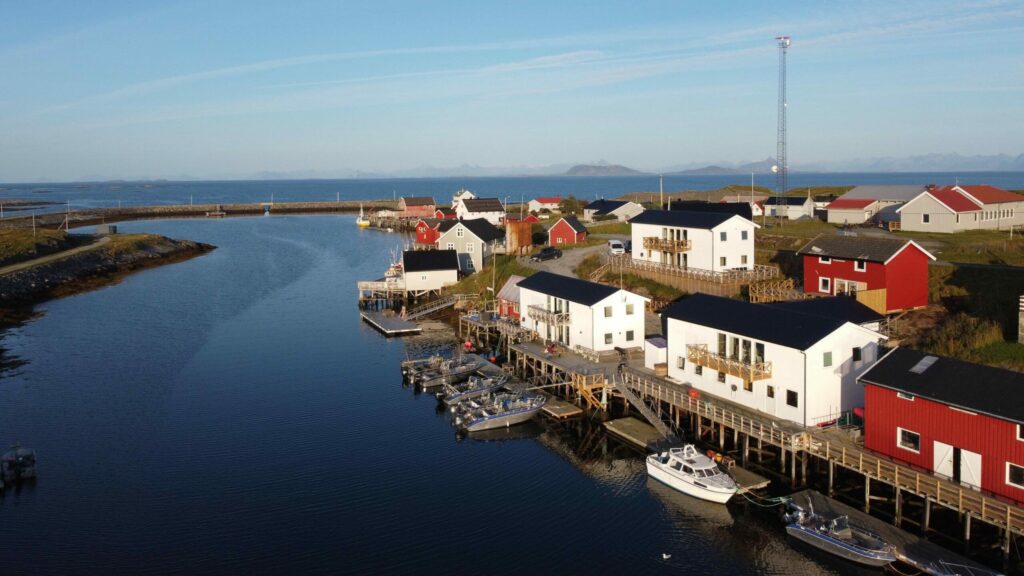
(418, 200)
(786, 201)
(854, 247)
(973, 387)
(480, 227)
(704, 220)
(483, 205)
(423, 260)
(603, 206)
(574, 224)
(840, 307)
(567, 287)
(758, 321)
(738, 208)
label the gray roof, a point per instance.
(867, 248)
(568, 288)
(682, 219)
(479, 227)
(483, 205)
(892, 193)
(787, 201)
(510, 291)
(602, 206)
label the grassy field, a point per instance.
(18, 245)
(974, 246)
(610, 228)
(794, 228)
(480, 282)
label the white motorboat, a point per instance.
(690, 472)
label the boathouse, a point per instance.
(416, 207)
(581, 314)
(611, 210)
(568, 230)
(796, 365)
(474, 240)
(713, 241)
(489, 209)
(887, 274)
(426, 271)
(960, 420)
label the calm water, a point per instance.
(231, 414)
(129, 193)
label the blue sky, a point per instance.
(231, 89)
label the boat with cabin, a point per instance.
(475, 387)
(497, 411)
(687, 470)
(839, 537)
(451, 371)
(17, 464)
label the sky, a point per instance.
(221, 89)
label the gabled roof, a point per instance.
(738, 208)
(445, 211)
(572, 222)
(839, 307)
(786, 201)
(431, 222)
(993, 391)
(850, 204)
(418, 200)
(889, 193)
(683, 219)
(510, 290)
(424, 260)
(479, 227)
(549, 200)
(483, 205)
(787, 328)
(954, 199)
(869, 248)
(603, 206)
(568, 288)
(990, 194)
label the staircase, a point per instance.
(436, 305)
(599, 273)
(655, 419)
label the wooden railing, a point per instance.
(666, 244)
(758, 273)
(748, 371)
(381, 286)
(776, 291)
(549, 317)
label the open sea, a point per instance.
(231, 414)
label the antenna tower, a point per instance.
(780, 152)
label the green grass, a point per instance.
(18, 245)
(1003, 354)
(820, 191)
(974, 246)
(610, 228)
(794, 228)
(479, 282)
(587, 266)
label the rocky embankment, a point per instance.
(105, 264)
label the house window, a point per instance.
(827, 359)
(743, 235)
(908, 440)
(469, 248)
(608, 338)
(629, 309)
(770, 391)
(721, 261)
(721, 377)
(1014, 475)
(856, 354)
(824, 260)
(423, 277)
(698, 369)
(743, 259)
(459, 232)
(607, 311)
(748, 385)
(560, 240)
(722, 236)
(957, 218)
(825, 285)
(629, 335)
(905, 396)
(860, 265)
(792, 399)
(451, 245)
(681, 362)
(925, 218)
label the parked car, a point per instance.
(616, 247)
(629, 246)
(546, 254)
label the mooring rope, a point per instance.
(767, 502)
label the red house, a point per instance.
(427, 231)
(508, 298)
(531, 218)
(854, 264)
(567, 230)
(413, 207)
(958, 420)
(445, 214)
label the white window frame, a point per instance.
(899, 440)
(743, 235)
(723, 236)
(459, 232)
(629, 335)
(824, 260)
(968, 412)
(469, 248)
(825, 284)
(910, 398)
(860, 265)
(608, 339)
(1019, 430)
(608, 311)
(743, 259)
(722, 261)
(926, 218)
(1008, 483)
(629, 309)
(451, 245)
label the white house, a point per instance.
(712, 241)
(619, 209)
(575, 312)
(962, 207)
(549, 203)
(474, 240)
(790, 207)
(489, 209)
(429, 270)
(790, 363)
(460, 195)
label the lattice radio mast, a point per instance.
(782, 165)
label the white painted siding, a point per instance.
(588, 325)
(430, 279)
(707, 247)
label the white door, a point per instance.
(943, 458)
(970, 469)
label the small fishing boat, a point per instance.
(362, 221)
(838, 537)
(690, 472)
(497, 411)
(473, 388)
(411, 369)
(17, 464)
(449, 372)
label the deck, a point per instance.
(390, 325)
(560, 409)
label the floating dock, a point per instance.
(390, 325)
(560, 409)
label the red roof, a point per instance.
(549, 200)
(850, 203)
(954, 199)
(991, 194)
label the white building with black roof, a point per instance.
(790, 207)
(713, 241)
(797, 363)
(575, 312)
(427, 271)
(620, 210)
(489, 209)
(475, 241)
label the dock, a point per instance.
(560, 409)
(912, 550)
(390, 325)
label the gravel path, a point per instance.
(570, 259)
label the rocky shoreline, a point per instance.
(95, 268)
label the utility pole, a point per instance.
(33, 224)
(781, 162)
(661, 188)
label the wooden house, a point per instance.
(567, 231)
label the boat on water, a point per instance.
(17, 464)
(475, 387)
(838, 537)
(411, 369)
(362, 221)
(450, 371)
(497, 411)
(687, 470)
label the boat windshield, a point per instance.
(841, 523)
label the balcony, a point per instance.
(747, 371)
(666, 244)
(549, 317)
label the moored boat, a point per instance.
(475, 387)
(17, 464)
(690, 472)
(497, 411)
(449, 372)
(840, 538)
(362, 221)
(411, 369)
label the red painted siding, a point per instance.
(418, 212)
(425, 234)
(905, 277)
(874, 276)
(561, 234)
(508, 309)
(995, 439)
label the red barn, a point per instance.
(427, 231)
(894, 270)
(412, 207)
(959, 420)
(567, 230)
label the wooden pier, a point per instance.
(390, 325)
(560, 409)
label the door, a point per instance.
(970, 468)
(942, 456)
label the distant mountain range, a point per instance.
(601, 169)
